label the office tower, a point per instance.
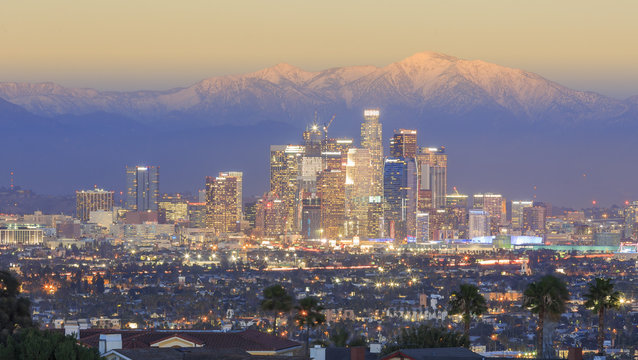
(518, 207)
(285, 161)
(334, 153)
(403, 144)
(432, 168)
(456, 200)
(376, 221)
(92, 200)
(240, 183)
(630, 215)
(270, 217)
(534, 220)
(221, 204)
(196, 214)
(312, 140)
(172, 209)
(479, 223)
(495, 205)
(400, 197)
(311, 166)
(456, 218)
(142, 188)
(422, 227)
(358, 187)
(332, 192)
(372, 139)
(311, 218)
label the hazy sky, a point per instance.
(156, 44)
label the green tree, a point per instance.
(309, 315)
(426, 336)
(277, 301)
(468, 302)
(546, 298)
(339, 337)
(45, 345)
(601, 297)
(14, 309)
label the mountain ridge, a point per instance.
(426, 82)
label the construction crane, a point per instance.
(326, 126)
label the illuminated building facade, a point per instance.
(518, 207)
(331, 190)
(534, 220)
(311, 218)
(400, 197)
(270, 216)
(142, 188)
(403, 144)
(372, 139)
(196, 214)
(221, 204)
(92, 200)
(495, 206)
(172, 209)
(358, 188)
(240, 183)
(432, 168)
(422, 227)
(479, 223)
(23, 235)
(285, 161)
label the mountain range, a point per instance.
(421, 85)
(506, 130)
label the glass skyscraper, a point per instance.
(142, 188)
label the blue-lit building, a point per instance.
(142, 188)
(399, 190)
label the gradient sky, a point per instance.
(158, 44)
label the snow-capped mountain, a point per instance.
(425, 83)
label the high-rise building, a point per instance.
(332, 192)
(197, 214)
(518, 207)
(400, 197)
(422, 227)
(403, 144)
(221, 204)
(432, 168)
(240, 184)
(270, 219)
(172, 209)
(534, 219)
(285, 161)
(630, 223)
(372, 139)
(495, 205)
(479, 223)
(312, 140)
(92, 200)
(358, 187)
(311, 218)
(142, 188)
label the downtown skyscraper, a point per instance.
(221, 204)
(142, 188)
(92, 200)
(372, 140)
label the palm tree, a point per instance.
(309, 315)
(276, 300)
(601, 297)
(546, 298)
(468, 302)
